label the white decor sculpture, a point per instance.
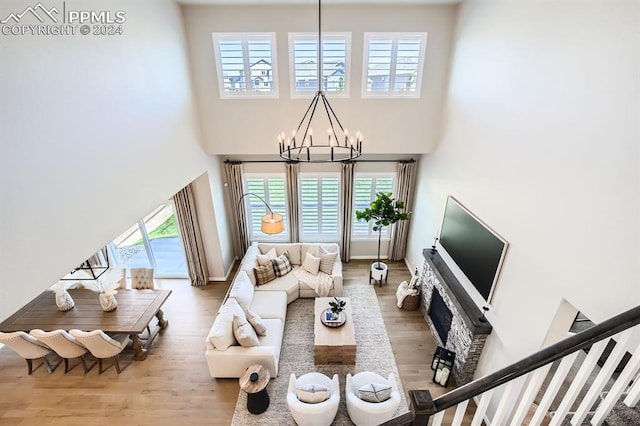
(108, 293)
(64, 301)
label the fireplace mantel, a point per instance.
(468, 332)
(470, 312)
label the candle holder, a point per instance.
(483, 318)
(442, 365)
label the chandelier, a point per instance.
(339, 145)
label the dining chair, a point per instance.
(101, 345)
(29, 348)
(65, 345)
(142, 278)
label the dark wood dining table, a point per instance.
(136, 309)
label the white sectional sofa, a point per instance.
(226, 358)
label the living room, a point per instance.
(531, 122)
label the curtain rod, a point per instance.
(408, 161)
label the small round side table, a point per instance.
(254, 382)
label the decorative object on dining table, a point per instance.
(64, 301)
(442, 365)
(107, 295)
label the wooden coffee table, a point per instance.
(334, 345)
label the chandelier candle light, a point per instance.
(300, 146)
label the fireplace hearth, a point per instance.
(453, 317)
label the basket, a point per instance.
(411, 303)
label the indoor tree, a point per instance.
(384, 211)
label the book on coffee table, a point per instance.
(331, 317)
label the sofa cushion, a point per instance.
(327, 260)
(244, 332)
(314, 248)
(313, 394)
(288, 284)
(275, 330)
(242, 290)
(263, 259)
(221, 333)
(270, 304)
(256, 322)
(311, 264)
(292, 248)
(282, 265)
(264, 273)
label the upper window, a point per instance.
(246, 64)
(271, 187)
(393, 64)
(319, 206)
(304, 63)
(365, 188)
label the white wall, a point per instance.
(250, 127)
(208, 191)
(96, 132)
(541, 141)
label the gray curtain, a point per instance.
(292, 170)
(346, 172)
(234, 179)
(187, 219)
(404, 192)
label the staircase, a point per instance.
(601, 387)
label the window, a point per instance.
(365, 188)
(271, 187)
(319, 207)
(153, 242)
(304, 62)
(393, 64)
(246, 64)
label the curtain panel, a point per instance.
(346, 172)
(291, 171)
(187, 219)
(404, 193)
(234, 179)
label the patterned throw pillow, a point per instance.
(327, 260)
(282, 265)
(265, 273)
(374, 392)
(312, 394)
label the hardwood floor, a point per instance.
(172, 386)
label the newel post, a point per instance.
(421, 406)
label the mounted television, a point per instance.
(474, 247)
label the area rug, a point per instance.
(373, 353)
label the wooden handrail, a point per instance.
(549, 354)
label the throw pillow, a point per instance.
(257, 323)
(244, 333)
(221, 334)
(264, 274)
(282, 265)
(312, 394)
(374, 392)
(327, 261)
(242, 290)
(264, 258)
(311, 264)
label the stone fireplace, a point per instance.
(453, 317)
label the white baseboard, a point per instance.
(227, 274)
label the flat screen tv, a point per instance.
(474, 247)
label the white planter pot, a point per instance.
(379, 274)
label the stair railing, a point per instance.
(422, 405)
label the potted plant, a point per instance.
(337, 306)
(384, 211)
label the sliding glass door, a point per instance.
(153, 242)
